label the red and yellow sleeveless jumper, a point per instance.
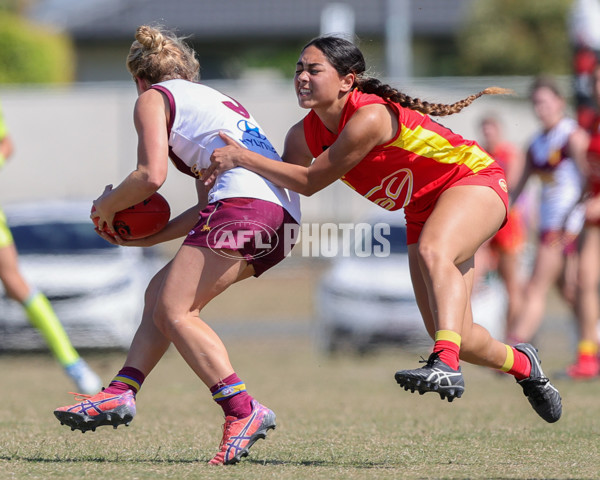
(413, 169)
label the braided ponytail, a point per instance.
(346, 58)
(374, 86)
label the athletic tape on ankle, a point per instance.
(510, 359)
(448, 335)
(229, 391)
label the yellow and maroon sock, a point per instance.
(128, 378)
(230, 393)
(447, 346)
(516, 364)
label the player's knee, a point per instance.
(430, 254)
(586, 278)
(162, 320)
(150, 298)
(169, 320)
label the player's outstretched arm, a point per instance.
(360, 135)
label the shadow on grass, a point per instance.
(323, 463)
(36, 459)
(167, 461)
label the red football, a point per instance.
(143, 219)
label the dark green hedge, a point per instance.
(33, 54)
(515, 37)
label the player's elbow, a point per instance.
(154, 179)
(308, 191)
(310, 187)
(152, 175)
(155, 182)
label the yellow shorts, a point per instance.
(6, 238)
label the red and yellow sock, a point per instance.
(586, 350)
(447, 346)
(516, 364)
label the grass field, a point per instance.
(341, 417)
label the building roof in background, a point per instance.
(93, 19)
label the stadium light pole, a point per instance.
(398, 39)
(338, 19)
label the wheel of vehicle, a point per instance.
(327, 339)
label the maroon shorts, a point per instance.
(559, 238)
(263, 232)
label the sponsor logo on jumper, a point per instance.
(253, 137)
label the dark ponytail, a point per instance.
(346, 58)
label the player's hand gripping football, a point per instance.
(116, 239)
(104, 218)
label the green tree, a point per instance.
(33, 54)
(515, 37)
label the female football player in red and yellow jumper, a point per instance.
(384, 145)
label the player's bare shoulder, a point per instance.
(376, 121)
(296, 149)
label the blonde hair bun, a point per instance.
(158, 55)
(150, 38)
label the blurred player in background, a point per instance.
(503, 252)
(177, 117)
(384, 144)
(557, 157)
(585, 38)
(36, 305)
(587, 364)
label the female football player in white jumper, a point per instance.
(557, 157)
(233, 237)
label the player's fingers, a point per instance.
(210, 180)
(208, 174)
(106, 236)
(227, 139)
(106, 225)
(117, 239)
(210, 183)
